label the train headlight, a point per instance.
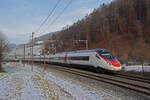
(109, 63)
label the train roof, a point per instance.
(92, 50)
(82, 51)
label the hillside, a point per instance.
(122, 27)
(45, 37)
(12, 45)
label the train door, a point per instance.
(97, 60)
(66, 58)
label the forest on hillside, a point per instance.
(122, 27)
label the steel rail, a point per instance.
(131, 77)
(120, 83)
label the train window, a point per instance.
(61, 58)
(98, 57)
(107, 55)
(84, 58)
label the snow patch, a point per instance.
(19, 83)
(137, 68)
(78, 92)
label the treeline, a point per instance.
(3, 49)
(122, 27)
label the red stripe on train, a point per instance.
(114, 63)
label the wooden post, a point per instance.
(49, 54)
(32, 50)
(87, 45)
(143, 68)
(30, 55)
(44, 57)
(24, 56)
(1, 50)
(40, 60)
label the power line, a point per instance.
(58, 16)
(51, 12)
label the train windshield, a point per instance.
(107, 55)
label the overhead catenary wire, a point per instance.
(58, 16)
(51, 12)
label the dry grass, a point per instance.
(1, 70)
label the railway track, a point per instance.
(131, 77)
(128, 82)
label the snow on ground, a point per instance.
(79, 92)
(16, 84)
(20, 83)
(137, 68)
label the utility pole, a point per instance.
(29, 61)
(44, 56)
(55, 49)
(24, 56)
(87, 45)
(1, 53)
(32, 50)
(40, 60)
(49, 54)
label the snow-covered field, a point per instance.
(137, 68)
(19, 83)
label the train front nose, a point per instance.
(116, 66)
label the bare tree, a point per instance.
(3, 48)
(119, 26)
(141, 53)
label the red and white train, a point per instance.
(100, 59)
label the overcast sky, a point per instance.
(18, 18)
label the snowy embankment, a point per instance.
(19, 83)
(137, 68)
